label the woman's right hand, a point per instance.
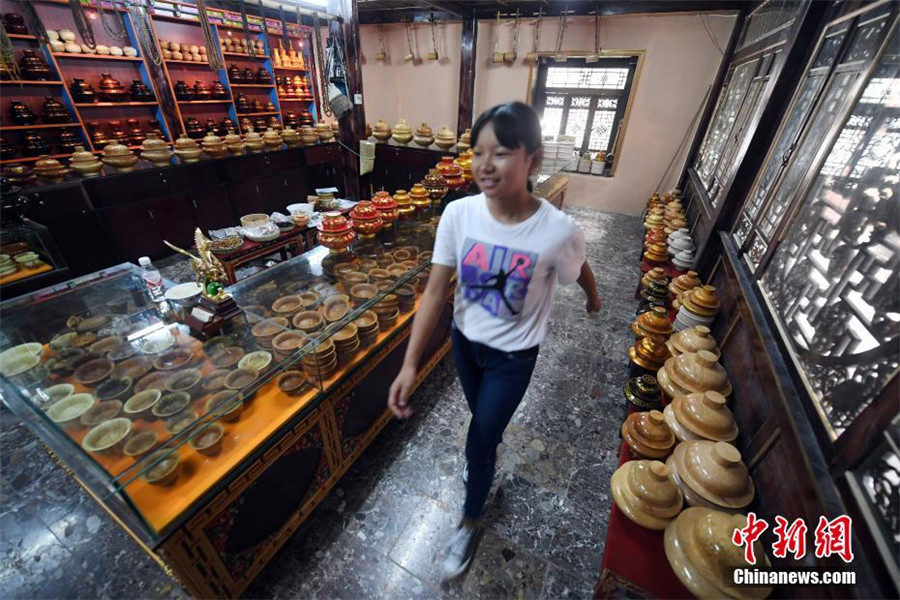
(400, 391)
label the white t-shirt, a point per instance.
(507, 273)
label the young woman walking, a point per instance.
(508, 248)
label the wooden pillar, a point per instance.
(466, 116)
(352, 126)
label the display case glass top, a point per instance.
(152, 417)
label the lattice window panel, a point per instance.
(723, 121)
(601, 129)
(879, 480)
(551, 121)
(835, 279)
(770, 18)
(586, 78)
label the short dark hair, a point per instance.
(515, 124)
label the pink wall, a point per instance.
(679, 65)
(420, 91)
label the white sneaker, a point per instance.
(459, 550)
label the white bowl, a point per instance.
(52, 35)
(55, 393)
(21, 358)
(184, 294)
(67, 35)
(104, 50)
(129, 51)
(68, 410)
(115, 51)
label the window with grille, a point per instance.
(585, 100)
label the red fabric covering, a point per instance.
(634, 560)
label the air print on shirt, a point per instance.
(496, 277)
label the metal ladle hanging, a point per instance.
(498, 56)
(510, 57)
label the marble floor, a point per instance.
(380, 531)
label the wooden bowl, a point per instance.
(171, 404)
(165, 471)
(240, 378)
(140, 443)
(293, 383)
(336, 307)
(215, 381)
(94, 371)
(308, 321)
(646, 493)
(187, 381)
(173, 359)
(362, 292)
(100, 412)
(104, 345)
(287, 306)
(227, 357)
(114, 388)
(178, 423)
(288, 342)
(226, 397)
(310, 300)
(209, 440)
(156, 380)
(135, 368)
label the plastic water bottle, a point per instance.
(152, 279)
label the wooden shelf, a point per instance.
(292, 69)
(113, 104)
(29, 82)
(253, 85)
(245, 56)
(204, 102)
(187, 62)
(257, 114)
(280, 99)
(31, 159)
(97, 57)
(22, 36)
(43, 126)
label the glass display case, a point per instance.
(154, 419)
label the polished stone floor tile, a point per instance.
(381, 531)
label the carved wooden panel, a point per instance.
(834, 281)
(768, 19)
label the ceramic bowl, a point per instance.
(114, 388)
(165, 468)
(713, 471)
(240, 378)
(178, 423)
(209, 440)
(170, 404)
(108, 436)
(225, 397)
(255, 361)
(141, 403)
(140, 443)
(94, 371)
(646, 493)
(185, 295)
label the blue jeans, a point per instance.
(494, 383)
